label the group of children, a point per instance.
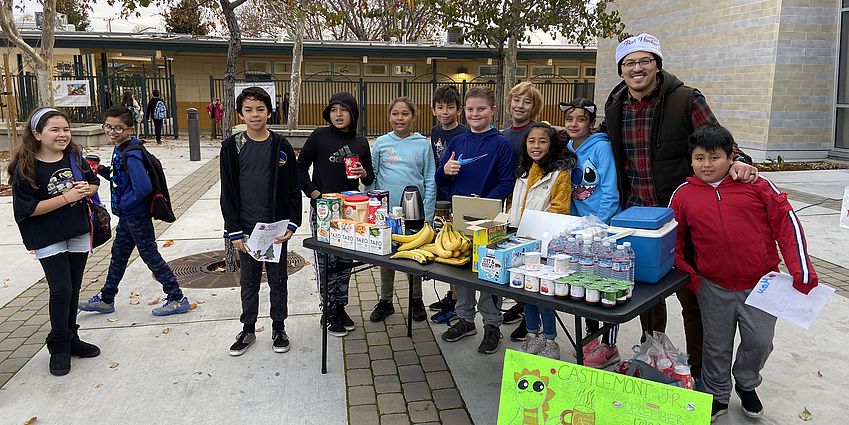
(731, 226)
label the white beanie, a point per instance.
(638, 43)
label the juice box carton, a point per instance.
(380, 240)
(348, 233)
(485, 232)
(361, 237)
(336, 232)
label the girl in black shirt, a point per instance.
(52, 214)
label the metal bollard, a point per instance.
(194, 135)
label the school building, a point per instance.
(189, 72)
(776, 73)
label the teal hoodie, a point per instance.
(594, 186)
(403, 162)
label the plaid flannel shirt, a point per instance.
(636, 133)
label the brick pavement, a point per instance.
(24, 321)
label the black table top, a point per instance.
(644, 296)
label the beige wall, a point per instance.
(765, 67)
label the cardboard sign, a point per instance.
(537, 390)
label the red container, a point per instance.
(350, 160)
(93, 160)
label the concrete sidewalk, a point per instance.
(375, 375)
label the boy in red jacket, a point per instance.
(733, 228)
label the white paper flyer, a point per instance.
(261, 244)
(775, 295)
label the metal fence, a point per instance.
(374, 98)
(106, 91)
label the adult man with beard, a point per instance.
(649, 117)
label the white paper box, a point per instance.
(361, 237)
(380, 240)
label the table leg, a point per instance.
(323, 282)
(579, 341)
(410, 306)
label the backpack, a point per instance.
(159, 203)
(159, 112)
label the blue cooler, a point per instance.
(651, 231)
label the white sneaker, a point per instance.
(533, 344)
(550, 350)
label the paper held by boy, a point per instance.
(775, 295)
(261, 243)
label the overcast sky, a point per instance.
(102, 11)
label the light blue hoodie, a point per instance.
(594, 184)
(403, 162)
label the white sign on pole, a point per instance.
(268, 86)
(71, 93)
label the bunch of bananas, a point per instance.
(410, 248)
(450, 247)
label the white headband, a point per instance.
(36, 117)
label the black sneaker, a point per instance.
(752, 405)
(446, 303)
(520, 333)
(419, 313)
(717, 410)
(382, 309)
(491, 339)
(459, 330)
(334, 327)
(514, 314)
(344, 319)
(243, 341)
(280, 341)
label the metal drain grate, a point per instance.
(201, 270)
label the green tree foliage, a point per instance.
(185, 18)
(76, 11)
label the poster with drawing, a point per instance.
(267, 86)
(538, 390)
(71, 93)
(261, 244)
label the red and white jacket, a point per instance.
(733, 228)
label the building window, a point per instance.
(404, 70)
(282, 67)
(521, 70)
(257, 66)
(376, 70)
(569, 71)
(316, 67)
(589, 72)
(347, 68)
(541, 70)
(841, 123)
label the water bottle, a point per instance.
(621, 264)
(587, 258)
(596, 250)
(632, 257)
(605, 260)
(572, 249)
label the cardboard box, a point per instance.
(336, 232)
(486, 232)
(322, 231)
(348, 234)
(361, 236)
(496, 258)
(380, 240)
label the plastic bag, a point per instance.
(658, 360)
(589, 227)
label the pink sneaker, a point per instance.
(602, 357)
(589, 348)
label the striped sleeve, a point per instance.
(787, 230)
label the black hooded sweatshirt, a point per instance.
(326, 148)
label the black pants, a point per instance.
(250, 275)
(157, 130)
(64, 273)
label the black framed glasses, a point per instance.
(643, 63)
(117, 129)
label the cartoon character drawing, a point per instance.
(533, 395)
(584, 180)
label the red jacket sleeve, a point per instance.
(787, 230)
(681, 232)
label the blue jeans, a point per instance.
(532, 319)
(137, 232)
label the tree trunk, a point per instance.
(297, 59)
(42, 59)
(509, 76)
(499, 88)
(233, 49)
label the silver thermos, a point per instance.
(413, 208)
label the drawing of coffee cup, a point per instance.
(578, 415)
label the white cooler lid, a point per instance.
(622, 232)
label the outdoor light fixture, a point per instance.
(365, 59)
(462, 70)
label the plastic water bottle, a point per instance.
(596, 249)
(587, 258)
(621, 264)
(572, 249)
(632, 256)
(605, 260)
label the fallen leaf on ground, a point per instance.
(260, 329)
(220, 270)
(113, 365)
(193, 306)
(819, 374)
(201, 301)
(31, 420)
(112, 319)
(806, 415)
(154, 301)
(165, 330)
(6, 282)
(94, 280)
(168, 243)
(32, 253)
(98, 386)
(134, 301)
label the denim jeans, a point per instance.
(532, 319)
